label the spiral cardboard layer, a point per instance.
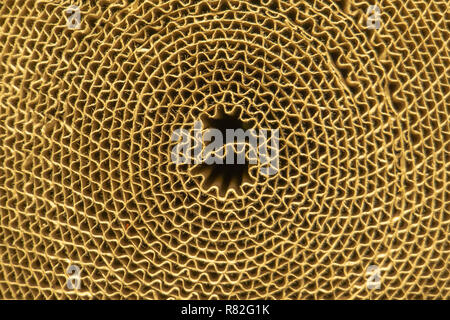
(86, 123)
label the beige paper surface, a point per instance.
(86, 177)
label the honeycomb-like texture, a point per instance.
(86, 118)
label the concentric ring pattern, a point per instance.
(86, 177)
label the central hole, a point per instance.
(224, 176)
